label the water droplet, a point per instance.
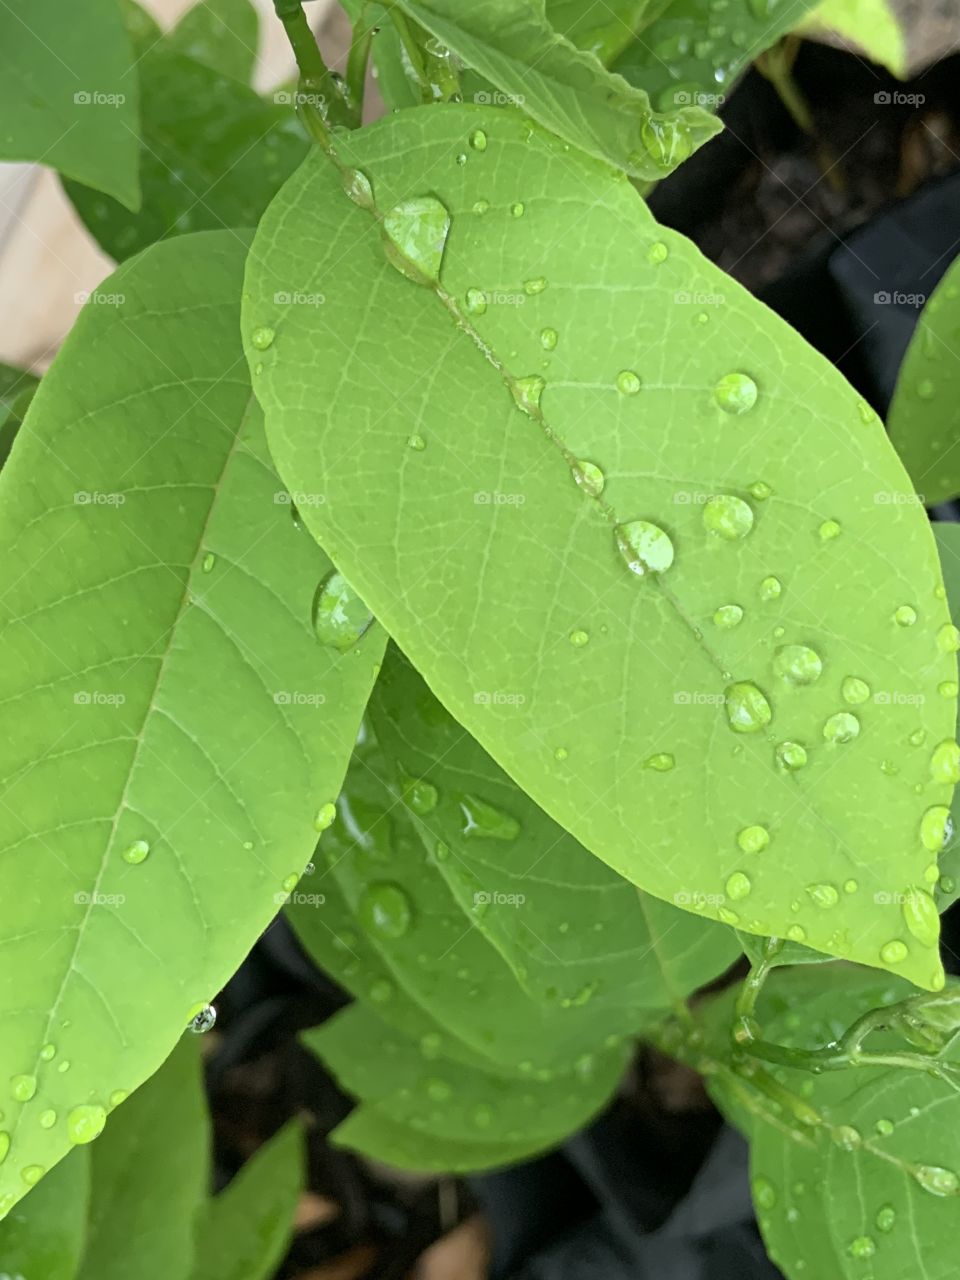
(438, 1090)
(32, 1174)
(516, 210)
(478, 140)
(381, 991)
(829, 530)
(262, 338)
(475, 301)
(948, 638)
(861, 1247)
(385, 909)
(667, 141)
(660, 761)
(747, 709)
(86, 1123)
(735, 393)
(658, 252)
(324, 816)
(727, 516)
(855, 690)
(209, 560)
(628, 382)
(579, 638)
(48, 1119)
(926, 389)
(770, 588)
(482, 821)
(727, 616)
(939, 1182)
(847, 1137)
(790, 755)
(737, 886)
(482, 1117)
(136, 852)
(340, 617)
(945, 762)
(481, 206)
(4, 1146)
(921, 917)
(884, 1127)
(290, 883)
(796, 933)
(933, 828)
(118, 1096)
(850, 886)
(797, 663)
(947, 689)
(64, 1066)
(728, 916)
(645, 547)
(893, 952)
(527, 392)
(47, 1052)
(532, 287)
(841, 727)
(415, 235)
(430, 1045)
(905, 616)
(548, 339)
(760, 490)
(202, 1018)
(589, 477)
(824, 895)
(886, 1217)
(416, 442)
(357, 186)
(764, 1193)
(753, 839)
(561, 753)
(23, 1087)
(931, 873)
(420, 796)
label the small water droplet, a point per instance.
(926, 389)
(385, 909)
(475, 301)
(760, 490)
(579, 638)
(829, 530)
(339, 616)
(770, 588)
(118, 1096)
(764, 1193)
(933, 828)
(420, 796)
(753, 839)
(660, 761)
(483, 821)
(727, 616)
(850, 886)
(645, 547)
(921, 917)
(841, 727)
(947, 689)
(325, 815)
(202, 1018)
(431, 1044)
(561, 753)
(746, 706)
(47, 1052)
(727, 516)
(417, 443)
(884, 1127)
(855, 690)
(948, 638)
(658, 252)
(381, 991)
(478, 140)
(824, 895)
(438, 1090)
(482, 1117)
(735, 393)
(886, 1218)
(905, 615)
(938, 1181)
(893, 952)
(797, 664)
(548, 339)
(481, 206)
(628, 383)
(136, 852)
(48, 1119)
(516, 210)
(86, 1123)
(209, 560)
(23, 1087)
(847, 1137)
(357, 186)
(589, 477)
(415, 235)
(32, 1174)
(532, 287)
(796, 933)
(262, 338)
(861, 1247)
(790, 755)
(290, 883)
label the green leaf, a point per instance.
(921, 420)
(246, 1229)
(789, 953)
(44, 1235)
(869, 25)
(150, 1172)
(68, 92)
(466, 1118)
(17, 389)
(214, 155)
(845, 1198)
(604, 30)
(222, 34)
(948, 888)
(171, 698)
(565, 922)
(691, 53)
(142, 28)
(530, 626)
(511, 44)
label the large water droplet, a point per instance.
(667, 141)
(948, 638)
(86, 1123)
(824, 895)
(482, 820)
(727, 616)
(527, 392)
(628, 382)
(727, 516)
(770, 588)
(357, 186)
(747, 708)
(933, 828)
(23, 1087)
(905, 615)
(420, 796)
(262, 338)
(340, 617)
(945, 762)
(415, 235)
(136, 852)
(861, 1247)
(385, 909)
(645, 547)
(855, 690)
(921, 917)
(324, 816)
(893, 952)
(841, 727)
(753, 839)
(735, 393)
(589, 477)
(886, 1218)
(938, 1181)
(797, 664)
(738, 886)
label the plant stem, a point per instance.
(357, 61)
(413, 52)
(743, 1026)
(318, 94)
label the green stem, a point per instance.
(318, 95)
(744, 1026)
(357, 61)
(413, 52)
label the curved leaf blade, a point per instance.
(530, 557)
(45, 1234)
(157, 650)
(222, 34)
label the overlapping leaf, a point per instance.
(873, 26)
(173, 724)
(948, 544)
(44, 1235)
(68, 92)
(923, 420)
(618, 700)
(222, 34)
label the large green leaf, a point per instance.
(150, 1172)
(17, 389)
(214, 154)
(44, 1235)
(923, 421)
(619, 701)
(948, 544)
(568, 925)
(691, 52)
(170, 696)
(223, 34)
(870, 25)
(68, 92)
(466, 1118)
(246, 1229)
(511, 44)
(847, 1197)
(600, 28)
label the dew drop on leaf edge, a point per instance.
(340, 618)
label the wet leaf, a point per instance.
(222, 34)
